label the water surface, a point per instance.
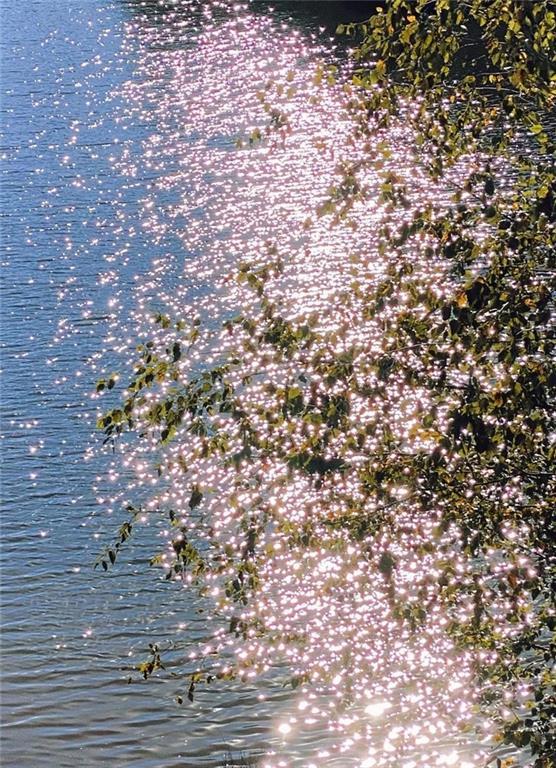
(124, 190)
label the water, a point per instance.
(124, 190)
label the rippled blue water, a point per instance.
(72, 241)
(123, 190)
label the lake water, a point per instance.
(124, 189)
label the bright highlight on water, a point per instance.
(179, 170)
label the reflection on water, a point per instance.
(125, 191)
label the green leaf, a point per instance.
(386, 564)
(195, 498)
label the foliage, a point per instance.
(434, 440)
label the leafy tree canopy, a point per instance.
(389, 483)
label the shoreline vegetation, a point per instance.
(397, 470)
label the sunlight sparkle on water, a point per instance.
(210, 203)
(377, 708)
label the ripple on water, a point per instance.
(125, 190)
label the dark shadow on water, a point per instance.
(326, 13)
(311, 15)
